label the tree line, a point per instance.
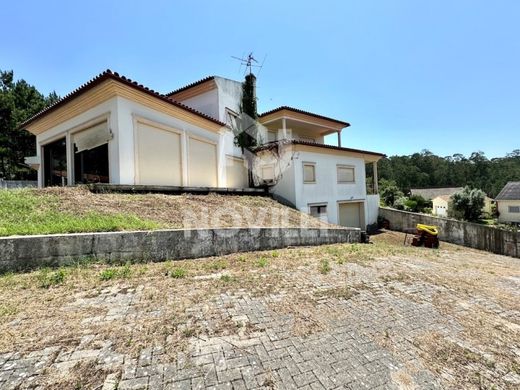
(425, 169)
(18, 101)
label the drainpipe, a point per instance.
(339, 138)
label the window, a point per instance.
(514, 209)
(267, 172)
(309, 173)
(345, 174)
(319, 211)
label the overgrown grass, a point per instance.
(22, 212)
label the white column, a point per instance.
(339, 138)
(376, 186)
(284, 128)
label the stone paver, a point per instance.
(362, 341)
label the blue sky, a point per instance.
(407, 74)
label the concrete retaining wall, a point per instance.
(5, 184)
(469, 234)
(28, 252)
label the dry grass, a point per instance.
(183, 211)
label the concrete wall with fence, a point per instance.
(6, 184)
(469, 234)
(29, 252)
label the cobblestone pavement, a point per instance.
(360, 325)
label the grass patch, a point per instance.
(324, 266)
(115, 273)
(261, 262)
(178, 273)
(8, 310)
(48, 278)
(23, 212)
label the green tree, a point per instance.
(467, 204)
(389, 192)
(18, 101)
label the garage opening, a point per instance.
(352, 214)
(55, 163)
(91, 155)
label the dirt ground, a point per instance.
(378, 315)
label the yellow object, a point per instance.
(433, 230)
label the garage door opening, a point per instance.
(352, 214)
(91, 166)
(55, 163)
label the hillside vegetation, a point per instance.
(72, 210)
(425, 169)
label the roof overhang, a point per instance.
(106, 86)
(194, 89)
(299, 118)
(313, 147)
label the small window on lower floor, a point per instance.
(318, 211)
(514, 209)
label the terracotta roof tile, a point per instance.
(108, 74)
(346, 124)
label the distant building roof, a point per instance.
(511, 191)
(430, 193)
(444, 197)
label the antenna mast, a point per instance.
(249, 62)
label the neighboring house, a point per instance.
(114, 130)
(508, 203)
(440, 205)
(431, 193)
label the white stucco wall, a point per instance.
(206, 103)
(107, 109)
(503, 208)
(326, 190)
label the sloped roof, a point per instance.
(511, 191)
(430, 193)
(345, 124)
(271, 145)
(106, 75)
(191, 85)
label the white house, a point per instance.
(114, 130)
(508, 203)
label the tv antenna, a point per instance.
(249, 62)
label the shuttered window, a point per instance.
(309, 173)
(345, 174)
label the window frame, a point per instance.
(313, 165)
(319, 206)
(345, 166)
(515, 208)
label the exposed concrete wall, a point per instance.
(473, 235)
(28, 252)
(17, 183)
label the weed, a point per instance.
(275, 254)
(217, 265)
(324, 266)
(115, 273)
(47, 278)
(178, 273)
(262, 262)
(226, 278)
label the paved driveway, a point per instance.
(343, 316)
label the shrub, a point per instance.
(389, 192)
(467, 204)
